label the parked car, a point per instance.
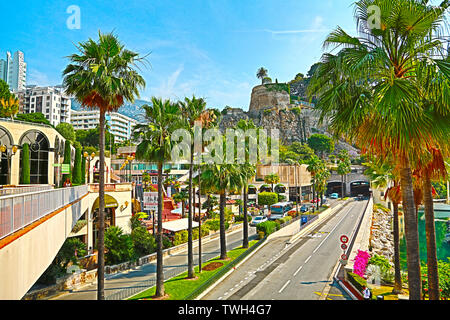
(257, 220)
(334, 196)
(315, 200)
(304, 209)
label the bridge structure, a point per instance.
(36, 221)
(355, 183)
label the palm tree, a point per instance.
(315, 165)
(261, 74)
(102, 76)
(434, 169)
(272, 179)
(248, 171)
(162, 118)
(192, 110)
(181, 197)
(373, 91)
(381, 176)
(222, 178)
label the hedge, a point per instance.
(268, 227)
(267, 198)
(25, 164)
(67, 160)
(77, 170)
(358, 282)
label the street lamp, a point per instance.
(130, 160)
(89, 158)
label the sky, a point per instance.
(210, 48)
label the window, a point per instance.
(39, 148)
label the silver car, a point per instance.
(257, 220)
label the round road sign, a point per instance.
(344, 246)
(344, 239)
(344, 257)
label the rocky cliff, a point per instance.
(271, 108)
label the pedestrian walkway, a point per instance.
(125, 284)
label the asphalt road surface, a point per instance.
(298, 271)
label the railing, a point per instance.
(175, 271)
(111, 187)
(19, 211)
(20, 190)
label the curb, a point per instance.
(204, 293)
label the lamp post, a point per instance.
(130, 160)
(9, 153)
(89, 158)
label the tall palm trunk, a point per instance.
(412, 233)
(101, 212)
(433, 279)
(397, 268)
(191, 200)
(223, 241)
(199, 225)
(342, 186)
(297, 198)
(159, 242)
(245, 240)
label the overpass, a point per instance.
(33, 227)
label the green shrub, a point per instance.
(205, 230)
(119, 246)
(143, 242)
(358, 282)
(25, 177)
(297, 111)
(267, 198)
(268, 227)
(77, 175)
(213, 224)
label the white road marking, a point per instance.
(298, 270)
(285, 285)
(306, 261)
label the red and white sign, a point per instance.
(344, 239)
(344, 257)
(343, 246)
(151, 201)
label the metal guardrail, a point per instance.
(20, 190)
(20, 210)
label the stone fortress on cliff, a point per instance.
(273, 107)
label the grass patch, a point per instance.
(179, 287)
(386, 292)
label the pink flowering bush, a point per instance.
(360, 264)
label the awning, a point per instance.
(110, 202)
(178, 225)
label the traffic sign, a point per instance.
(344, 246)
(344, 257)
(344, 239)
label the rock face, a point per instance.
(382, 240)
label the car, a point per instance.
(315, 200)
(257, 220)
(304, 209)
(334, 196)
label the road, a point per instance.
(173, 265)
(298, 271)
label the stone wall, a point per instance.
(382, 238)
(262, 98)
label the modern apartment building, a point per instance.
(53, 102)
(120, 125)
(13, 71)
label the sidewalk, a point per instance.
(141, 278)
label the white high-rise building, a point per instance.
(13, 71)
(53, 102)
(120, 125)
